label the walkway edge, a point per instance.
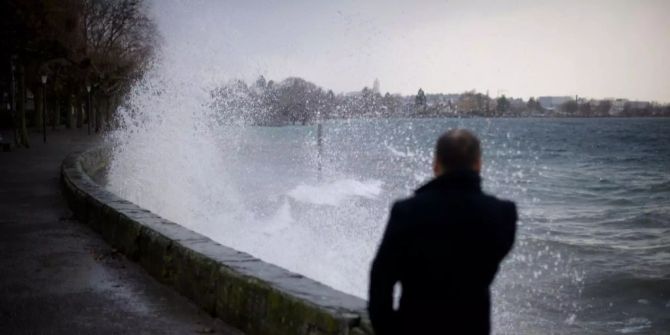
(254, 296)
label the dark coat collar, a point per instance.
(465, 180)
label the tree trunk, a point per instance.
(113, 121)
(105, 111)
(68, 110)
(37, 103)
(21, 109)
(96, 112)
(78, 109)
(55, 113)
(108, 112)
(38, 95)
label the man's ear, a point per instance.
(437, 168)
(478, 165)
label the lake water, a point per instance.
(593, 248)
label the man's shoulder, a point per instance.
(428, 200)
(499, 201)
(504, 205)
(418, 205)
(403, 205)
(428, 196)
(409, 203)
(505, 210)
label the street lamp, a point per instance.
(44, 107)
(88, 102)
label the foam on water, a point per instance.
(336, 192)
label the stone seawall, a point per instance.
(254, 296)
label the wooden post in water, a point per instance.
(319, 146)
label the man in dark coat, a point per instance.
(443, 246)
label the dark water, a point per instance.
(593, 254)
(593, 248)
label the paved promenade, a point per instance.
(59, 277)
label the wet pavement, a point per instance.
(57, 276)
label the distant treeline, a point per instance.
(83, 49)
(297, 101)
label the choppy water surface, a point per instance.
(593, 250)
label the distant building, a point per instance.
(639, 104)
(618, 106)
(552, 102)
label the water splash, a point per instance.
(258, 190)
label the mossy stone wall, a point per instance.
(254, 296)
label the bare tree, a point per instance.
(104, 43)
(119, 41)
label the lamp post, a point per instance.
(88, 110)
(44, 107)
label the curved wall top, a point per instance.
(254, 296)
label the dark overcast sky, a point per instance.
(598, 48)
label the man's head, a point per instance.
(457, 149)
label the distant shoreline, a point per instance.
(465, 117)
